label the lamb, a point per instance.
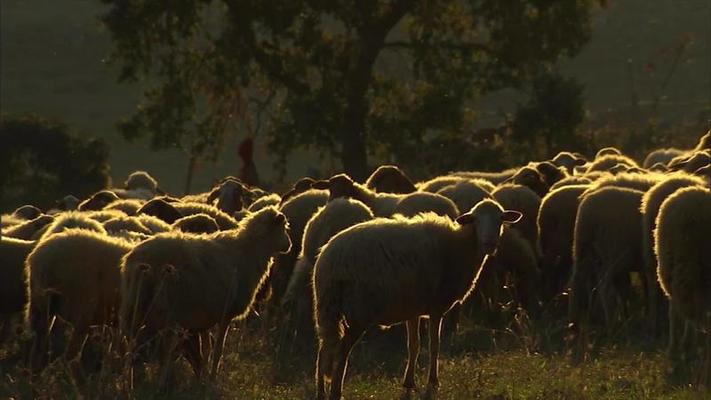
(684, 269)
(522, 198)
(389, 179)
(383, 272)
(164, 280)
(13, 253)
(467, 193)
(198, 223)
(607, 246)
(651, 202)
(272, 199)
(73, 275)
(556, 227)
(662, 156)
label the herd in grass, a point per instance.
(333, 259)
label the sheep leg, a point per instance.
(413, 349)
(320, 381)
(222, 329)
(345, 346)
(650, 284)
(435, 328)
(193, 353)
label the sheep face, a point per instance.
(488, 219)
(229, 196)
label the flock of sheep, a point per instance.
(341, 257)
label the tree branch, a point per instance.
(446, 45)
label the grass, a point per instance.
(476, 363)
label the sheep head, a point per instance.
(340, 185)
(27, 212)
(228, 195)
(488, 218)
(530, 177)
(161, 209)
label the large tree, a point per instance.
(349, 75)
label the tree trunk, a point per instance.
(192, 164)
(353, 151)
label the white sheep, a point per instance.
(164, 280)
(384, 271)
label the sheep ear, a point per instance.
(321, 185)
(511, 217)
(286, 196)
(465, 219)
(280, 219)
(213, 195)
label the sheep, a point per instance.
(67, 203)
(98, 201)
(415, 203)
(651, 202)
(28, 229)
(691, 162)
(607, 246)
(116, 226)
(662, 156)
(162, 209)
(609, 161)
(493, 177)
(704, 142)
(127, 206)
(298, 210)
(154, 224)
(382, 272)
(522, 198)
(228, 195)
(642, 182)
(434, 185)
(198, 223)
(13, 253)
(300, 186)
(169, 212)
(556, 226)
(608, 151)
(568, 160)
(141, 180)
(550, 173)
(69, 220)
(73, 275)
(27, 212)
(531, 178)
(272, 199)
(164, 280)
(467, 193)
(571, 181)
(329, 220)
(389, 179)
(681, 237)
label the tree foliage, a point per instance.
(42, 161)
(350, 76)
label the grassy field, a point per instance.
(476, 363)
